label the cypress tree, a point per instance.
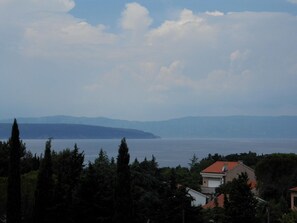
(44, 187)
(13, 213)
(241, 204)
(123, 198)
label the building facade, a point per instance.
(222, 172)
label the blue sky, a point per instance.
(148, 60)
(108, 12)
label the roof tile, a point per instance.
(216, 202)
(218, 167)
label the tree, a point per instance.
(67, 167)
(241, 204)
(123, 198)
(14, 177)
(276, 174)
(4, 159)
(193, 162)
(44, 187)
(93, 199)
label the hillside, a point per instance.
(192, 127)
(72, 131)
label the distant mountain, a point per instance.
(72, 131)
(192, 127)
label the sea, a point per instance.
(168, 152)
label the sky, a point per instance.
(148, 60)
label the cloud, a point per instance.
(199, 63)
(170, 77)
(64, 36)
(37, 6)
(214, 13)
(135, 17)
(292, 1)
(45, 28)
(187, 27)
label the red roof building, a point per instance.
(293, 198)
(221, 172)
(220, 167)
(216, 202)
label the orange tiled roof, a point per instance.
(212, 204)
(217, 167)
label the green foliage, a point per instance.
(123, 198)
(241, 204)
(276, 174)
(250, 159)
(183, 176)
(14, 177)
(4, 159)
(145, 185)
(67, 169)
(28, 182)
(44, 188)
(276, 209)
(177, 207)
(290, 217)
(94, 196)
(3, 195)
(109, 191)
(29, 162)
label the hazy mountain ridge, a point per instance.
(192, 127)
(72, 131)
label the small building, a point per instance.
(293, 198)
(217, 201)
(198, 198)
(222, 172)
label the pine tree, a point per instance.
(123, 198)
(14, 177)
(44, 188)
(241, 204)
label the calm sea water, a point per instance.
(169, 152)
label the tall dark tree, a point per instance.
(67, 167)
(241, 204)
(14, 177)
(93, 199)
(44, 187)
(4, 159)
(123, 198)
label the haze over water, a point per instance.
(169, 152)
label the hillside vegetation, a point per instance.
(192, 127)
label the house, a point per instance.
(217, 201)
(198, 198)
(222, 172)
(293, 198)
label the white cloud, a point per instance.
(38, 5)
(238, 55)
(292, 1)
(135, 17)
(187, 29)
(243, 62)
(214, 13)
(170, 77)
(62, 35)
